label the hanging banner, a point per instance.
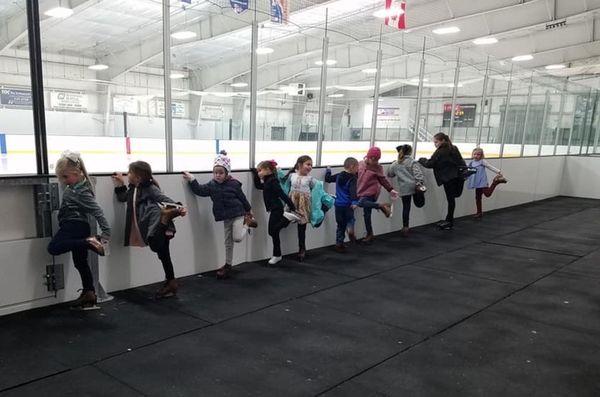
(68, 100)
(395, 14)
(280, 10)
(16, 98)
(239, 6)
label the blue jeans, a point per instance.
(344, 216)
(368, 204)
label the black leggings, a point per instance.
(276, 223)
(71, 237)
(453, 189)
(159, 243)
(406, 203)
(302, 237)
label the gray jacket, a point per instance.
(78, 202)
(408, 174)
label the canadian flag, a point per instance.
(395, 13)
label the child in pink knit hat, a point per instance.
(370, 180)
(229, 205)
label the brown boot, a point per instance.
(224, 272)
(340, 249)
(167, 290)
(249, 221)
(353, 239)
(95, 245)
(500, 179)
(368, 239)
(386, 209)
(167, 214)
(301, 255)
(86, 301)
(405, 231)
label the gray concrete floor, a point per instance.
(509, 305)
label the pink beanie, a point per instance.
(374, 153)
(223, 161)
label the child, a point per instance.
(265, 179)
(149, 218)
(410, 180)
(479, 181)
(446, 162)
(346, 201)
(74, 229)
(301, 185)
(370, 178)
(229, 205)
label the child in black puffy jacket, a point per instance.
(229, 205)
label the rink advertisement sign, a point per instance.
(68, 100)
(16, 98)
(239, 6)
(280, 10)
(464, 115)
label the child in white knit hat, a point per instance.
(229, 205)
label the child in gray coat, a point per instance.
(410, 181)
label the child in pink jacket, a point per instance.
(370, 180)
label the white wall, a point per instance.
(581, 177)
(198, 245)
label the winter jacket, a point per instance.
(408, 174)
(479, 179)
(273, 194)
(78, 202)
(228, 199)
(445, 162)
(370, 177)
(345, 188)
(146, 206)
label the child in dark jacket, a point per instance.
(370, 180)
(346, 201)
(265, 179)
(149, 221)
(78, 202)
(229, 205)
(446, 162)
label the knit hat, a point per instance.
(374, 153)
(223, 161)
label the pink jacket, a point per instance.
(369, 180)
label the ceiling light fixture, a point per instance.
(98, 66)
(335, 95)
(417, 80)
(485, 41)
(239, 85)
(176, 75)
(264, 50)
(59, 12)
(184, 35)
(369, 71)
(330, 62)
(447, 30)
(521, 58)
(556, 67)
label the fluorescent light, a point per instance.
(485, 40)
(447, 30)
(59, 12)
(417, 80)
(369, 71)
(330, 62)
(176, 75)
(264, 50)
(521, 58)
(239, 85)
(556, 67)
(392, 12)
(183, 35)
(335, 95)
(98, 66)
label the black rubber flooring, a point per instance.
(505, 306)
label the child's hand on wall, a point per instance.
(118, 179)
(187, 176)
